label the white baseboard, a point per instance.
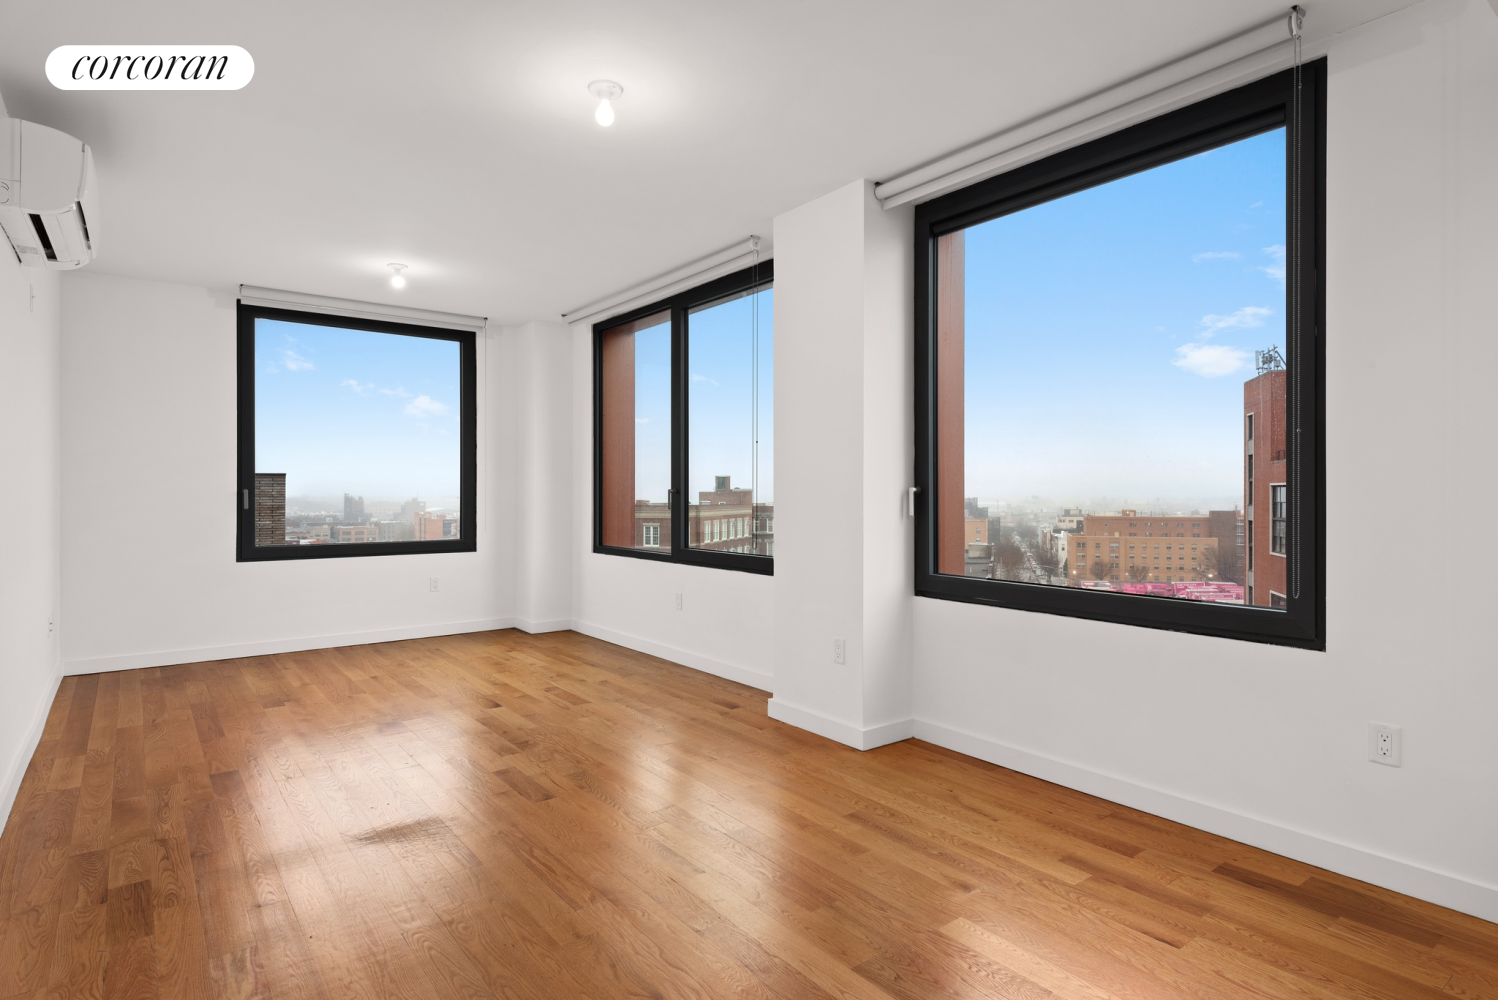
(18, 764)
(1412, 879)
(728, 671)
(132, 661)
(535, 628)
(842, 732)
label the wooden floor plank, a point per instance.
(506, 815)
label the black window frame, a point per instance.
(748, 280)
(467, 541)
(1246, 111)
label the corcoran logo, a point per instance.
(149, 67)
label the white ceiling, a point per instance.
(458, 136)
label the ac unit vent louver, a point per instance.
(48, 192)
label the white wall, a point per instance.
(842, 463)
(149, 494)
(726, 623)
(29, 446)
(1268, 744)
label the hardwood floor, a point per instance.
(552, 816)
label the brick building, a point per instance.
(270, 508)
(1149, 548)
(652, 525)
(429, 526)
(724, 519)
(1226, 526)
(1265, 485)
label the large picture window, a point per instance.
(1119, 350)
(356, 437)
(683, 433)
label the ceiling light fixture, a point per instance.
(397, 280)
(605, 91)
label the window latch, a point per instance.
(246, 499)
(910, 499)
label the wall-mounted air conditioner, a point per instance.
(48, 195)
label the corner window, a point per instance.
(356, 437)
(684, 429)
(1173, 264)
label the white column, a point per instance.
(843, 461)
(542, 413)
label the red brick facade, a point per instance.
(1145, 549)
(1265, 490)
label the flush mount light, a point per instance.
(605, 91)
(397, 280)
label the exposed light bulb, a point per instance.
(606, 91)
(397, 280)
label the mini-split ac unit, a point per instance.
(48, 196)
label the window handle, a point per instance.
(910, 499)
(246, 499)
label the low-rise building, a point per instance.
(978, 560)
(355, 534)
(724, 519)
(1148, 548)
(428, 526)
(396, 531)
(1055, 544)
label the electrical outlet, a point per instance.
(1385, 744)
(678, 600)
(839, 651)
(432, 584)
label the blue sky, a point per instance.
(720, 399)
(720, 352)
(349, 411)
(1109, 333)
(653, 412)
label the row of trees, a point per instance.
(1009, 558)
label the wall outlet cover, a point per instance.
(1385, 744)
